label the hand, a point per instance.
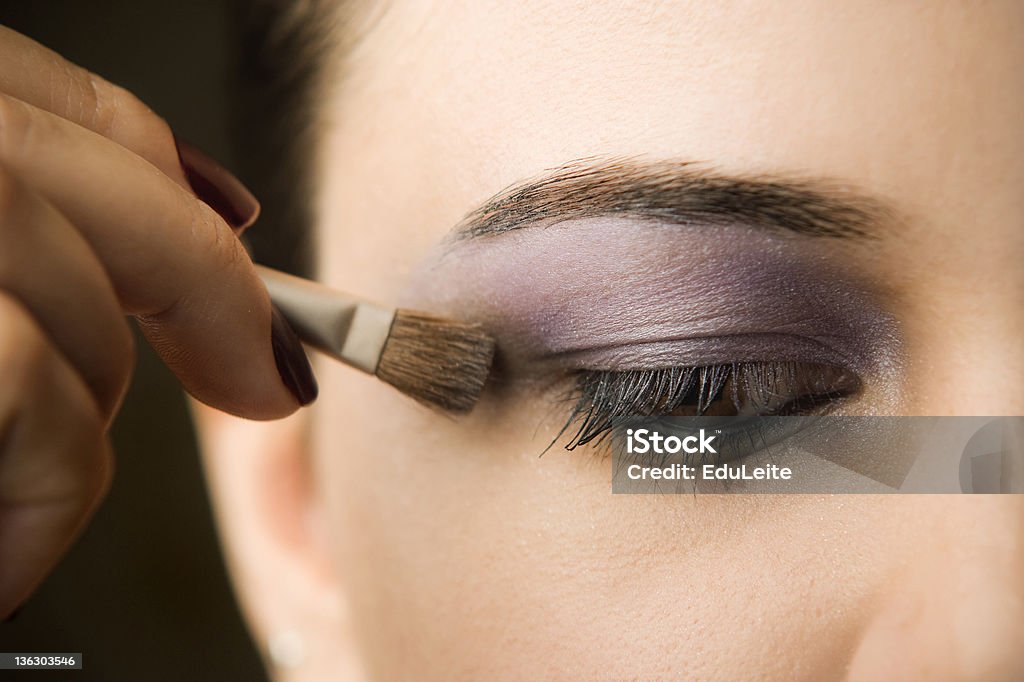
(98, 219)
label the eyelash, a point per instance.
(603, 397)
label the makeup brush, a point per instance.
(437, 361)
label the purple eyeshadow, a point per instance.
(615, 293)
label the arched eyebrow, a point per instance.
(680, 193)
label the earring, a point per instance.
(287, 649)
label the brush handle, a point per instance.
(343, 326)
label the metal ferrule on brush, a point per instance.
(348, 329)
(438, 361)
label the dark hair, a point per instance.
(282, 48)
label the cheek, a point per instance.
(460, 542)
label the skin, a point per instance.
(402, 544)
(409, 545)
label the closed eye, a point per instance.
(769, 388)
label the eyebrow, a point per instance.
(680, 193)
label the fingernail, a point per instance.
(292, 363)
(218, 188)
(14, 614)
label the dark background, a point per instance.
(143, 594)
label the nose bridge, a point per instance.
(956, 609)
(968, 357)
(962, 306)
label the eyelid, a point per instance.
(615, 293)
(700, 351)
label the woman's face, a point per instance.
(460, 551)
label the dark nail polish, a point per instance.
(292, 363)
(218, 188)
(14, 614)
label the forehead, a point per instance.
(458, 100)
(736, 83)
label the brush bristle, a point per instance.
(437, 361)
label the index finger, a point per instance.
(39, 76)
(172, 261)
